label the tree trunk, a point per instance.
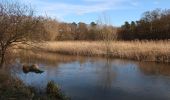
(2, 57)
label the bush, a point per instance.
(53, 91)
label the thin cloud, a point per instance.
(62, 8)
(156, 2)
(135, 3)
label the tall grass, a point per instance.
(158, 51)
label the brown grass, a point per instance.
(158, 51)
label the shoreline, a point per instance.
(12, 88)
(152, 51)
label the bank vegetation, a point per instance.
(155, 51)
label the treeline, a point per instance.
(154, 25)
(19, 23)
(77, 31)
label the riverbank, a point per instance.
(12, 88)
(155, 51)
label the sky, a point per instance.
(117, 11)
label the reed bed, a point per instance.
(157, 51)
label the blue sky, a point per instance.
(91, 10)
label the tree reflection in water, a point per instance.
(154, 68)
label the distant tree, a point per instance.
(125, 30)
(92, 32)
(153, 25)
(151, 17)
(65, 32)
(133, 29)
(74, 29)
(51, 29)
(93, 24)
(82, 31)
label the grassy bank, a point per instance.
(157, 51)
(13, 89)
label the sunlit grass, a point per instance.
(138, 50)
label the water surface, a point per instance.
(90, 78)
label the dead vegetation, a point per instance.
(157, 51)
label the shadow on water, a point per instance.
(93, 78)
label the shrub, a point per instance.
(53, 91)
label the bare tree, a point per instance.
(51, 27)
(108, 32)
(17, 24)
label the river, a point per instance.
(94, 78)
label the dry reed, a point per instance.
(158, 51)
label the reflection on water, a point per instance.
(90, 78)
(155, 69)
